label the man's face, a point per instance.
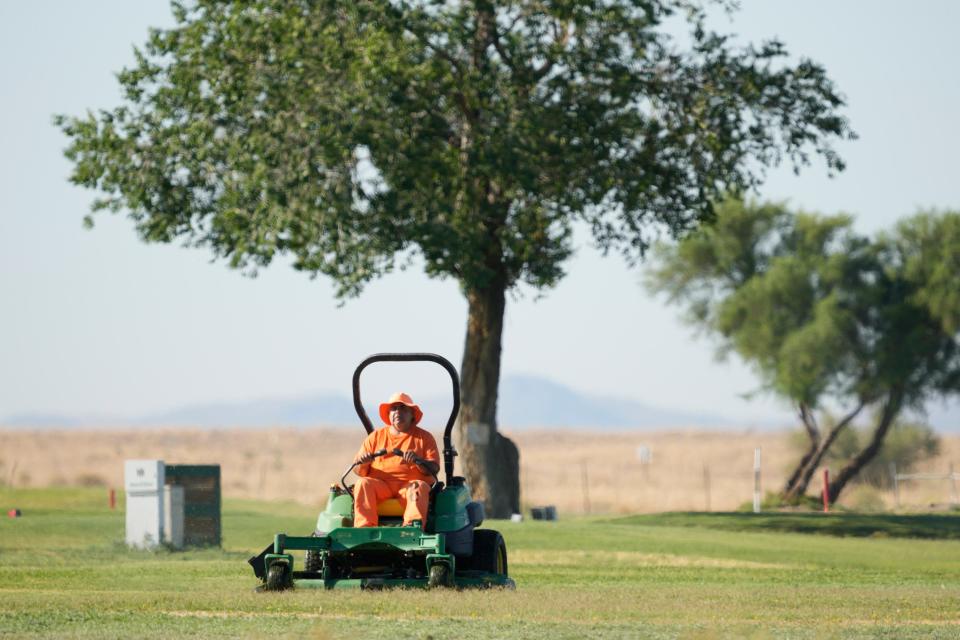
(401, 417)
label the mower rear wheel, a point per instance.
(489, 552)
(312, 561)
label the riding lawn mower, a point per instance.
(449, 551)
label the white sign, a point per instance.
(143, 476)
(144, 480)
(644, 454)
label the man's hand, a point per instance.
(364, 458)
(411, 458)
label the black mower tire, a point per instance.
(276, 577)
(489, 552)
(439, 577)
(312, 560)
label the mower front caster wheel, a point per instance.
(439, 576)
(277, 579)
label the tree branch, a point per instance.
(809, 422)
(495, 36)
(797, 484)
(443, 54)
(561, 36)
(891, 409)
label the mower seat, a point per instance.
(391, 507)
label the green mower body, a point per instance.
(449, 551)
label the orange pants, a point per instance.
(369, 492)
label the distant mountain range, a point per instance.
(524, 402)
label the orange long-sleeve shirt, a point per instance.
(391, 467)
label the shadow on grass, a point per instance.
(934, 527)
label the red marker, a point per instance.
(826, 491)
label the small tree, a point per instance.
(911, 318)
(826, 316)
(472, 134)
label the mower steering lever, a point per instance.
(420, 461)
(343, 478)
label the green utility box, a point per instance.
(201, 502)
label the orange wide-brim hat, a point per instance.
(400, 398)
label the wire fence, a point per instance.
(950, 479)
(577, 472)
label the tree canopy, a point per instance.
(247, 129)
(826, 316)
(470, 134)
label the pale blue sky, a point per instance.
(96, 322)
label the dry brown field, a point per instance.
(578, 472)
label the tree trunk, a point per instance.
(808, 465)
(490, 461)
(891, 409)
(813, 432)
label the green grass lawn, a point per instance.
(930, 526)
(64, 572)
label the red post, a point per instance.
(113, 498)
(826, 491)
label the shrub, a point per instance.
(90, 480)
(865, 498)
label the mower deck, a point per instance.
(469, 580)
(373, 543)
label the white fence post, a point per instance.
(896, 482)
(585, 482)
(756, 480)
(953, 487)
(706, 483)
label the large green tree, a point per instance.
(470, 134)
(828, 318)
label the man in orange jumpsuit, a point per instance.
(407, 477)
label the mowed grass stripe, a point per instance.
(606, 602)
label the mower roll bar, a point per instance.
(449, 453)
